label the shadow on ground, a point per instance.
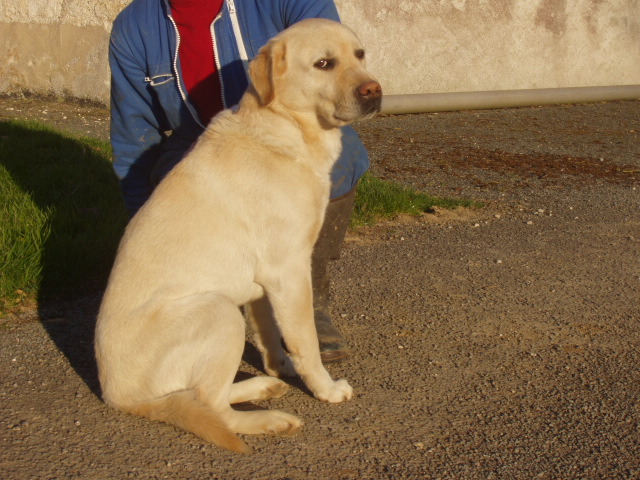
(71, 182)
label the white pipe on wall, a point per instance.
(443, 102)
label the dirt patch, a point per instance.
(547, 168)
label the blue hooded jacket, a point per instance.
(153, 121)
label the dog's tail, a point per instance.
(184, 410)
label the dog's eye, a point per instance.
(325, 64)
(360, 54)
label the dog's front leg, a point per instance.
(292, 302)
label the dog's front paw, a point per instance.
(339, 391)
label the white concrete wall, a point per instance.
(414, 46)
(424, 46)
(56, 47)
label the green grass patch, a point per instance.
(61, 216)
(378, 199)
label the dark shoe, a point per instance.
(332, 344)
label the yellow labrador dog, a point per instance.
(235, 223)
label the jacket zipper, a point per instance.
(216, 57)
(238, 34)
(193, 113)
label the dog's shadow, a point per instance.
(67, 188)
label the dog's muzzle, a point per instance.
(369, 95)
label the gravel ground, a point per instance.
(494, 343)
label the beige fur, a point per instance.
(235, 220)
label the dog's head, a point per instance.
(317, 67)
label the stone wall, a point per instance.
(59, 47)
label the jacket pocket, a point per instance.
(166, 98)
(160, 79)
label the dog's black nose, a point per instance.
(370, 90)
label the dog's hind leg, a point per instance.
(257, 388)
(220, 357)
(272, 422)
(194, 363)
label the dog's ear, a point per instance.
(267, 69)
